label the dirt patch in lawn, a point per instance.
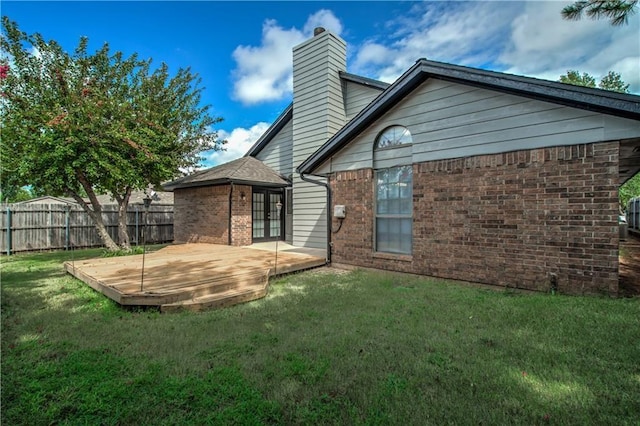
(629, 285)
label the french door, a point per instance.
(266, 224)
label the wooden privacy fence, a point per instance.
(31, 227)
(633, 214)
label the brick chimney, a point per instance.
(318, 113)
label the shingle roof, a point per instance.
(607, 102)
(137, 197)
(245, 170)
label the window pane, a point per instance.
(258, 215)
(382, 207)
(394, 190)
(394, 209)
(274, 221)
(392, 136)
(382, 191)
(405, 207)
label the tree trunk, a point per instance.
(95, 213)
(123, 233)
(98, 222)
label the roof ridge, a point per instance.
(240, 162)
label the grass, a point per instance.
(321, 348)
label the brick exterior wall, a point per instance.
(201, 215)
(241, 227)
(510, 219)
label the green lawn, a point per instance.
(322, 348)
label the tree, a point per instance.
(618, 11)
(83, 124)
(630, 189)
(612, 81)
(574, 77)
(16, 194)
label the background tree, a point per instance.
(574, 77)
(618, 11)
(612, 81)
(83, 124)
(16, 194)
(630, 189)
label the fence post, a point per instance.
(67, 230)
(8, 230)
(137, 231)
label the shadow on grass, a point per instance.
(324, 349)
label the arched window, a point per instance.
(393, 136)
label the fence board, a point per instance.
(32, 227)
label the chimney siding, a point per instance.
(318, 113)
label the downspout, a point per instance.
(326, 185)
(230, 211)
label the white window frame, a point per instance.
(398, 215)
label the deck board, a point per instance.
(194, 275)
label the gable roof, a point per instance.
(607, 102)
(47, 199)
(365, 81)
(245, 171)
(272, 131)
(287, 114)
(137, 197)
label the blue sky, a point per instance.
(242, 50)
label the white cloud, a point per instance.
(544, 45)
(459, 33)
(526, 38)
(239, 140)
(264, 73)
(323, 18)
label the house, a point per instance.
(47, 199)
(136, 198)
(450, 171)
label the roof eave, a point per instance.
(365, 81)
(271, 132)
(407, 82)
(618, 104)
(226, 181)
(598, 100)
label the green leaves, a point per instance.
(612, 81)
(107, 117)
(617, 11)
(574, 77)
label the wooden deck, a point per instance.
(189, 276)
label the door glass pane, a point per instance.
(274, 221)
(258, 215)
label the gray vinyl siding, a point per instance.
(358, 96)
(318, 113)
(450, 120)
(278, 153)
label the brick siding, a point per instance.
(512, 219)
(241, 226)
(201, 215)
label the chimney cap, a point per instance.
(318, 30)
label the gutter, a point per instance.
(230, 212)
(328, 188)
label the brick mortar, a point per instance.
(201, 215)
(508, 219)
